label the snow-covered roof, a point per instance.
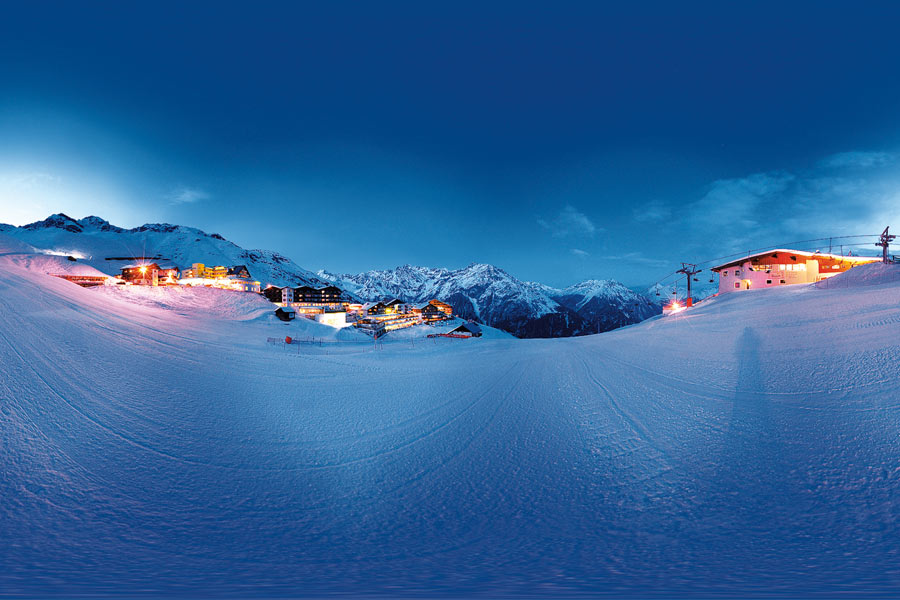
(470, 327)
(751, 257)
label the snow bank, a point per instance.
(51, 264)
(863, 275)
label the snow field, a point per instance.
(154, 443)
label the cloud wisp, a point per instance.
(187, 195)
(655, 211)
(638, 259)
(570, 222)
(857, 159)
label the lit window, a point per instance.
(737, 285)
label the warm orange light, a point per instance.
(143, 269)
(675, 307)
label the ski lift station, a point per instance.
(775, 268)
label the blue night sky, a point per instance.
(561, 142)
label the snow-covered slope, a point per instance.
(107, 248)
(493, 296)
(747, 446)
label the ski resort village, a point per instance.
(327, 305)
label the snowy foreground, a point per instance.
(156, 445)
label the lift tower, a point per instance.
(884, 241)
(689, 270)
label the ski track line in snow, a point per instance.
(426, 434)
(97, 423)
(879, 322)
(375, 433)
(476, 434)
(639, 432)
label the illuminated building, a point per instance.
(374, 309)
(141, 274)
(197, 271)
(443, 307)
(371, 326)
(783, 267)
(87, 280)
(239, 272)
(337, 318)
(384, 322)
(395, 306)
(325, 295)
(243, 285)
(429, 312)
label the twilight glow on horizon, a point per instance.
(590, 141)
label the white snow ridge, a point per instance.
(154, 444)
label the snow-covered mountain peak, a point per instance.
(595, 287)
(56, 221)
(98, 224)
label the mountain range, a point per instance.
(492, 296)
(481, 292)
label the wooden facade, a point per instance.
(272, 293)
(239, 271)
(443, 307)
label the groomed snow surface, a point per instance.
(154, 444)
